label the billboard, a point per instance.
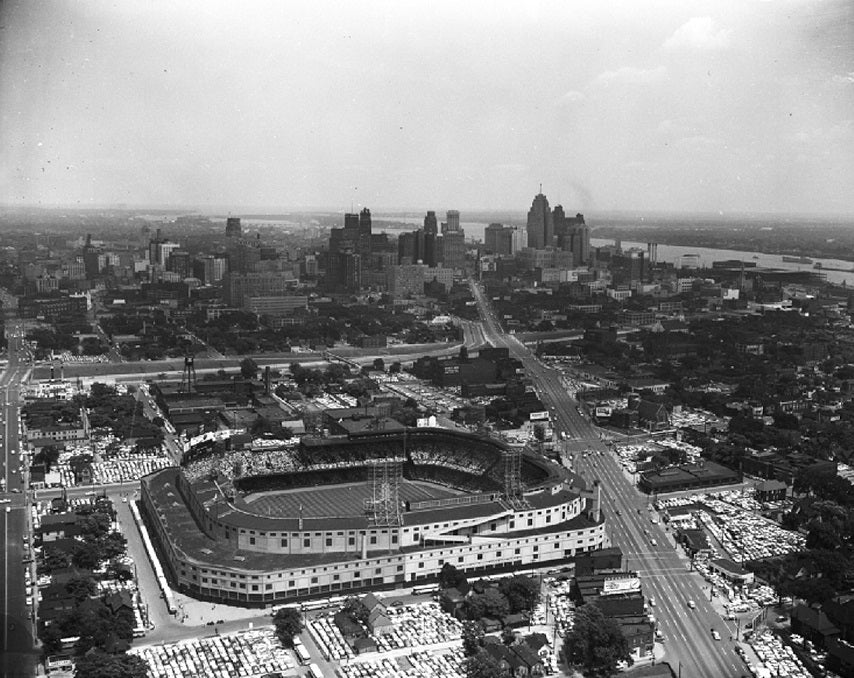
(612, 587)
(539, 416)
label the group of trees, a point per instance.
(288, 623)
(90, 619)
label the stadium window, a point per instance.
(480, 556)
(317, 534)
(234, 584)
(254, 587)
(536, 548)
(329, 541)
(498, 554)
(336, 577)
(420, 566)
(394, 539)
(351, 541)
(493, 526)
(373, 539)
(306, 542)
(530, 522)
(512, 524)
(441, 562)
(378, 570)
(460, 559)
(357, 575)
(549, 518)
(251, 540)
(268, 587)
(242, 585)
(291, 584)
(400, 568)
(340, 534)
(204, 580)
(284, 543)
(314, 580)
(518, 551)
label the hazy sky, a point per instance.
(723, 105)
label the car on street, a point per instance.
(653, 542)
(716, 635)
(691, 604)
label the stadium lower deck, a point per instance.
(342, 500)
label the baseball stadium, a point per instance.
(273, 523)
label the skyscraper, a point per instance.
(233, 228)
(540, 223)
(453, 224)
(430, 223)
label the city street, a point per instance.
(16, 644)
(689, 646)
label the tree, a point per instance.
(248, 368)
(508, 636)
(102, 665)
(356, 610)
(48, 455)
(490, 603)
(521, 591)
(472, 636)
(288, 623)
(450, 577)
(484, 665)
(81, 588)
(395, 367)
(595, 644)
(379, 365)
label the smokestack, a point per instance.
(267, 380)
(364, 547)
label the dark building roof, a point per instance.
(815, 619)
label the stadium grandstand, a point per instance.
(369, 510)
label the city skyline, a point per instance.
(675, 107)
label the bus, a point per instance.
(302, 654)
(314, 671)
(426, 588)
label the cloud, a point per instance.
(701, 33)
(571, 97)
(629, 75)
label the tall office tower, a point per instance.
(583, 239)
(560, 225)
(233, 229)
(210, 269)
(652, 253)
(454, 249)
(492, 238)
(406, 248)
(432, 254)
(540, 223)
(365, 221)
(159, 250)
(453, 223)
(351, 221)
(91, 260)
(364, 243)
(430, 223)
(518, 239)
(180, 262)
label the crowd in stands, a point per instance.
(317, 464)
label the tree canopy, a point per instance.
(102, 665)
(288, 623)
(595, 644)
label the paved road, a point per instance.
(174, 368)
(664, 574)
(17, 657)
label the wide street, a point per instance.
(16, 644)
(689, 646)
